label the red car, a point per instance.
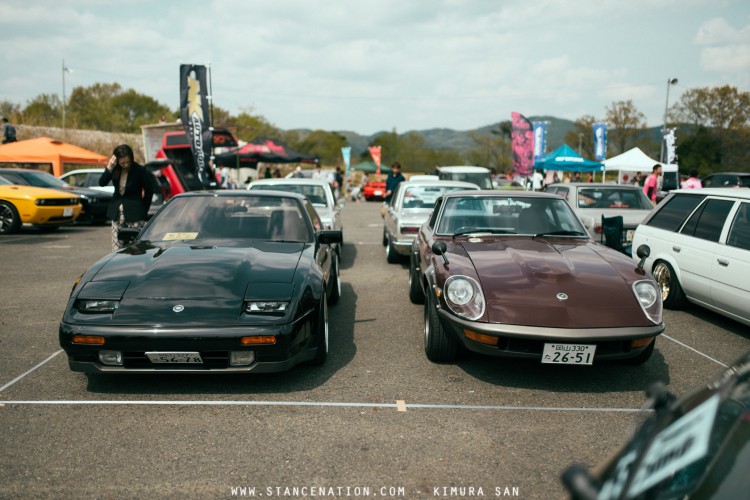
(374, 190)
(514, 273)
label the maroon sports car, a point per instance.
(516, 274)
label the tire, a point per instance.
(671, 292)
(643, 356)
(391, 255)
(10, 221)
(47, 229)
(335, 295)
(321, 333)
(439, 346)
(385, 238)
(416, 294)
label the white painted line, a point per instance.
(320, 403)
(23, 375)
(695, 350)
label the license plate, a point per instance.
(378, 193)
(175, 357)
(67, 212)
(568, 354)
(629, 235)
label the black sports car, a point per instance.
(215, 281)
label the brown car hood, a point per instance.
(523, 277)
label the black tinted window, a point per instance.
(707, 222)
(674, 212)
(739, 234)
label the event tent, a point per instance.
(566, 159)
(262, 150)
(370, 168)
(46, 150)
(635, 160)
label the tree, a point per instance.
(325, 145)
(583, 134)
(130, 110)
(491, 151)
(248, 126)
(9, 110)
(625, 124)
(723, 108)
(44, 110)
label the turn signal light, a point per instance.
(640, 342)
(481, 338)
(258, 340)
(87, 339)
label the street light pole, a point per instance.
(63, 99)
(670, 82)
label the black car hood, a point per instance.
(182, 271)
(80, 191)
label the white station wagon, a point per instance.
(699, 242)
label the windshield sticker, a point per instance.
(677, 446)
(179, 236)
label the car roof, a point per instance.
(594, 184)
(728, 192)
(501, 194)
(427, 182)
(84, 171)
(741, 174)
(463, 168)
(234, 193)
(292, 180)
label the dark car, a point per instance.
(727, 179)
(229, 281)
(697, 446)
(94, 203)
(516, 274)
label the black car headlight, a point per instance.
(649, 298)
(464, 297)
(266, 307)
(94, 306)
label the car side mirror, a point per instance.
(128, 234)
(329, 237)
(439, 248)
(643, 253)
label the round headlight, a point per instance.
(460, 291)
(464, 297)
(646, 293)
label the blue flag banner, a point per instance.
(346, 152)
(600, 141)
(540, 141)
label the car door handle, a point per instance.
(723, 262)
(676, 249)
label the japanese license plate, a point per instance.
(67, 212)
(378, 193)
(629, 235)
(175, 357)
(568, 354)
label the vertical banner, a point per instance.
(600, 141)
(196, 118)
(540, 141)
(670, 147)
(375, 153)
(522, 138)
(346, 152)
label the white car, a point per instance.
(88, 178)
(465, 173)
(320, 194)
(699, 249)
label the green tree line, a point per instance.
(713, 129)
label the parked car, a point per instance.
(699, 241)
(409, 207)
(94, 203)
(89, 178)
(726, 179)
(224, 281)
(592, 201)
(511, 273)
(374, 191)
(320, 194)
(46, 209)
(480, 176)
(692, 447)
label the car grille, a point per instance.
(59, 202)
(211, 360)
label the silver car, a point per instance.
(409, 207)
(320, 194)
(591, 201)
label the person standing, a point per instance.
(319, 175)
(692, 182)
(537, 181)
(133, 192)
(638, 179)
(9, 132)
(393, 180)
(651, 186)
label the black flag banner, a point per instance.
(196, 117)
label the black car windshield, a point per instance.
(508, 215)
(42, 179)
(613, 197)
(424, 196)
(316, 194)
(257, 218)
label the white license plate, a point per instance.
(568, 354)
(629, 235)
(67, 212)
(175, 357)
(378, 193)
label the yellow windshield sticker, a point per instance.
(180, 236)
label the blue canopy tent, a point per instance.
(566, 159)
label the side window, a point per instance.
(739, 234)
(707, 222)
(395, 195)
(317, 226)
(435, 211)
(673, 213)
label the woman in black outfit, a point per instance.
(133, 191)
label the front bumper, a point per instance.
(522, 341)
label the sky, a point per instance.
(381, 65)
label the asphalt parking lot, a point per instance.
(377, 420)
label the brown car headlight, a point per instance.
(464, 297)
(649, 298)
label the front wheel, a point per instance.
(439, 346)
(321, 333)
(10, 221)
(671, 292)
(335, 295)
(391, 255)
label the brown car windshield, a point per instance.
(508, 215)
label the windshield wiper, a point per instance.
(462, 231)
(561, 233)
(285, 241)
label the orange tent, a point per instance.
(46, 150)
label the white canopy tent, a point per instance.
(632, 161)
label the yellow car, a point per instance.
(44, 208)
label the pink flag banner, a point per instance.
(522, 138)
(375, 153)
